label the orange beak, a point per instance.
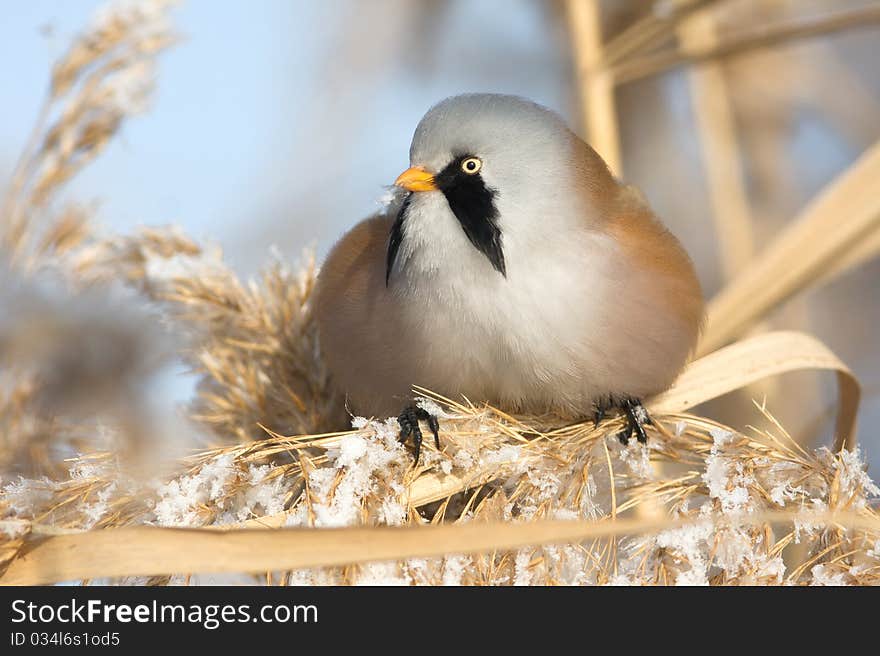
(416, 178)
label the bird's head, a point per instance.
(493, 177)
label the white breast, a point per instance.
(532, 340)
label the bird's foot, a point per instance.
(601, 408)
(409, 427)
(637, 418)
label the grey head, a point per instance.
(504, 165)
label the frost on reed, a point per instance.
(78, 355)
(511, 469)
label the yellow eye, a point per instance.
(471, 165)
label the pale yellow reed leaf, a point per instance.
(757, 358)
(865, 250)
(150, 551)
(845, 214)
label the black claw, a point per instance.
(602, 407)
(409, 426)
(636, 417)
(434, 425)
(625, 434)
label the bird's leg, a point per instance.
(625, 434)
(409, 426)
(601, 406)
(636, 420)
(636, 417)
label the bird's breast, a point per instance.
(504, 337)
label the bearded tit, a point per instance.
(512, 268)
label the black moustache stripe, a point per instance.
(396, 237)
(472, 203)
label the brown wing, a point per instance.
(357, 319)
(647, 243)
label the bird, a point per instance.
(511, 267)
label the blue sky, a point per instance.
(274, 122)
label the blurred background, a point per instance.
(278, 122)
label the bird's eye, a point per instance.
(471, 165)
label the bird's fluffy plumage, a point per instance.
(597, 298)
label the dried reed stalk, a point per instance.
(651, 30)
(720, 148)
(596, 85)
(151, 551)
(760, 37)
(863, 251)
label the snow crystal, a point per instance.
(13, 529)
(393, 511)
(725, 477)
(720, 436)
(421, 570)
(298, 516)
(351, 449)
(690, 543)
(180, 499)
(355, 463)
(572, 570)
(737, 554)
(854, 480)
(359, 423)
(691, 577)
(28, 496)
(454, 568)
(94, 512)
(821, 576)
(522, 576)
(861, 568)
(387, 574)
(621, 579)
(546, 484)
(637, 459)
(87, 470)
(641, 414)
(589, 507)
(505, 454)
(265, 494)
(780, 474)
(463, 459)
(432, 408)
